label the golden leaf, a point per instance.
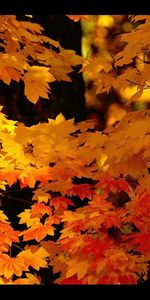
(36, 83)
(79, 268)
(35, 259)
(12, 265)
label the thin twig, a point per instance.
(18, 199)
(144, 86)
(17, 247)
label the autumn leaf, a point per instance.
(59, 119)
(35, 259)
(112, 219)
(3, 217)
(61, 203)
(79, 268)
(3, 184)
(12, 265)
(38, 231)
(27, 218)
(9, 175)
(96, 247)
(141, 241)
(69, 216)
(36, 83)
(40, 196)
(8, 235)
(82, 190)
(77, 18)
(120, 279)
(109, 184)
(41, 209)
(144, 184)
(95, 139)
(8, 74)
(29, 177)
(72, 280)
(51, 247)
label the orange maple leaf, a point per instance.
(28, 177)
(61, 202)
(36, 259)
(73, 280)
(77, 18)
(12, 265)
(8, 234)
(108, 183)
(38, 232)
(10, 176)
(42, 209)
(82, 190)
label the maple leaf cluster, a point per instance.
(94, 185)
(125, 66)
(105, 240)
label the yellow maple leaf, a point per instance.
(8, 73)
(43, 198)
(38, 258)
(36, 83)
(101, 163)
(35, 259)
(29, 177)
(26, 218)
(79, 268)
(40, 196)
(59, 119)
(1, 281)
(12, 265)
(38, 232)
(77, 18)
(70, 216)
(3, 184)
(3, 217)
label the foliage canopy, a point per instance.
(105, 239)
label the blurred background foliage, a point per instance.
(101, 37)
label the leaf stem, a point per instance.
(18, 199)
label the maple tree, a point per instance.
(89, 216)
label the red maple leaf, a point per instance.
(72, 280)
(108, 183)
(141, 241)
(96, 247)
(77, 18)
(62, 202)
(120, 279)
(82, 190)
